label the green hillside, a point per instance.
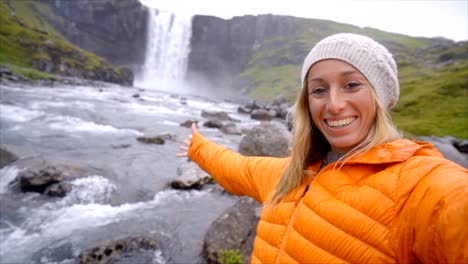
(433, 75)
(31, 47)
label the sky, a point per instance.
(418, 18)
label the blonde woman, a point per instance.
(353, 190)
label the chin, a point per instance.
(342, 147)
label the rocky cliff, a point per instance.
(230, 52)
(113, 29)
(222, 49)
(32, 49)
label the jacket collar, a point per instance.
(395, 151)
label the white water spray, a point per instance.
(167, 51)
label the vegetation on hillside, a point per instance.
(31, 47)
(433, 75)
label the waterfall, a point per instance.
(167, 50)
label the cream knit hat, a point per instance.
(372, 59)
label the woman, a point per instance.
(352, 190)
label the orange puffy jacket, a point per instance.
(399, 203)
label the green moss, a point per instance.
(230, 256)
(27, 36)
(32, 74)
(32, 13)
(434, 102)
(273, 81)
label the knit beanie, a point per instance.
(372, 59)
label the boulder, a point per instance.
(58, 189)
(278, 108)
(213, 124)
(266, 139)
(263, 114)
(159, 139)
(282, 110)
(462, 146)
(279, 100)
(450, 147)
(47, 178)
(188, 123)
(215, 115)
(234, 229)
(244, 110)
(6, 157)
(231, 129)
(190, 177)
(39, 181)
(253, 105)
(111, 251)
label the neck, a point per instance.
(333, 157)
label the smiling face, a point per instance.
(341, 103)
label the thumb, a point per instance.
(194, 128)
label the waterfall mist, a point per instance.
(167, 50)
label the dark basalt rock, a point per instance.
(450, 147)
(48, 178)
(112, 251)
(188, 123)
(266, 139)
(39, 181)
(234, 229)
(213, 124)
(214, 115)
(190, 177)
(6, 157)
(158, 139)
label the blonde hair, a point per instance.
(310, 146)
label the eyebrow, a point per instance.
(346, 73)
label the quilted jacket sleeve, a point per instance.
(435, 216)
(252, 176)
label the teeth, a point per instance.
(340, 123)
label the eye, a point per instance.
(318, 91)
(352, 85)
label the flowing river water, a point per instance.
(127, 194)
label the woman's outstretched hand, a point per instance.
(186, 143)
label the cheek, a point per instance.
(314, 111)
(367, 108)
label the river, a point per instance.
(128, 195)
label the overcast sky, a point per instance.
(427, 18)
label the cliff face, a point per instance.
(30, 47)
(113, 29)
(222, 49)
(263, 52)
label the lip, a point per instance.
(339, 130)
(339, 123)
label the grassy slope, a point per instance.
(27, 36)
(433, 98)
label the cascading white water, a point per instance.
(168, 47)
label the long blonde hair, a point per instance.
(310, 146)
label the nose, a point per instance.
(336, 101)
